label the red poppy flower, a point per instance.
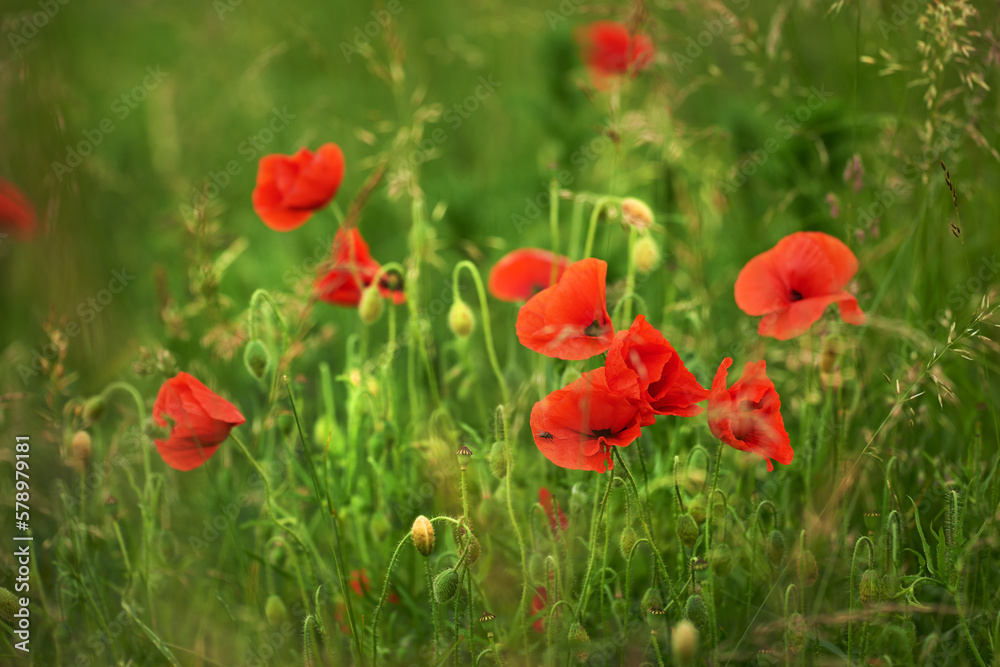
(353, 269)
(643, 366)
(569, 320)
(610, 50)
(291, 188)
(545, 499)
(201, 420)
(17, 215)
(359, 583)
(576, 426)
(747, 416)
(520, 274)
(538, 604)
(792, 284)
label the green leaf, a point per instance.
(157, 642)
(923, 540)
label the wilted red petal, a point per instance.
(747, 416)
(522, 273)
(570, 319)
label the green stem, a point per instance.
(485, 313)
(592, 227)
(502, 427)
(629, 280)
(854, 567)
(595, 528)
(554, 227)
(381, 600)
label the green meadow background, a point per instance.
(136, 128)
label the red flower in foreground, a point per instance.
(570, 319)
(643, 366)
(17, 215)
(352, 270)
(520, 274)
(747, 416)
(576, 426)
(610, 50)
(538, 604)
(545, 499)
(291, 188)
(792, 284)
(201, 420)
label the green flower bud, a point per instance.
(796, 632)
(468, 545)
(646, 254)
(93, 409)
(721, 560)
(577, 635)
(628, 540)
(498, 460)
(81, 446)
(870, 589)
(698, 508)
(370, 307)
(445, 586)
(460, 319)
(807, 567)
(275, 611)
(256, 359)
(696, 611)
(8, 605)
(775, 548)
(687, 530)
(684, 643)
(422, 534)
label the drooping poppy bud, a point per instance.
(684, 643)
(370, 307)
(81, 446)
(776, 548)
(627, 541)
(460, 319)
(445, 586)
(256, 359)
(721, 560)
(636, 213)
(275, 611)
(93, 409)
(870, 589)
(646, 254)
(498, 460)
(422, 534)
(687, 530)
(468, 545)
(696, 611)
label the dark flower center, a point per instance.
(594, 329)
(748, 406)
(602, 432)
(796, 295)
(392, 280)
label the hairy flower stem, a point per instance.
(863, 540)
(708, 547)
(595, 526)
(381, 600)
(434, 612)
(485, 314)
(502, 431)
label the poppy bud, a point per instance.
(498, 460)
(256, 359)
(577, 635)
(628, 540)
(775, 547)
(468, 545)
(445, 586)
(275, 611)
(684, 643)
(807, 567)
(796, 631)
(698, 508)
(636, 213)
(8, 605)
(81, 447)
(460, 319)
(646, 254)
(687, 530)
(370, 307)
(871, 587)
(422, 534)
(722, 560)
(93, 409)
(696, 611)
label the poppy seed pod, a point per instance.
(498, 460)
(370, 307)
(422, 534)
(651, 599)
(93, 409)
(775, 547)
(445, 586)
(687, 530)
(81, 447)
(870, 589)
(275, 611)
(460, 319)
(684, 643)
(8, 605)
(646, 254)
(256, 359)
(696, 611)
(636, 213)
(628, 540)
